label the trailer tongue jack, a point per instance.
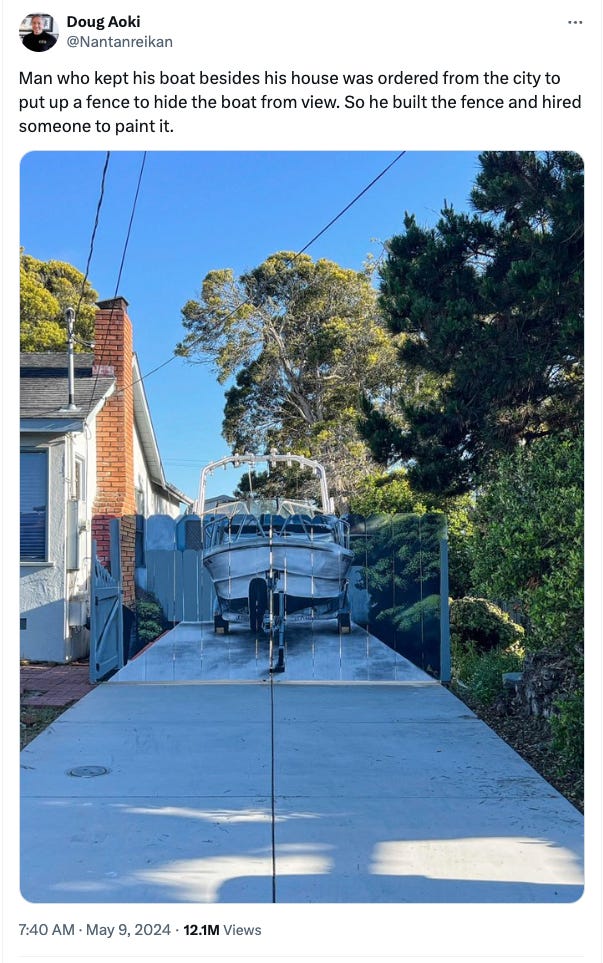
(277, 621)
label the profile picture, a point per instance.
(38, 32)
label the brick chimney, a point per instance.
(115, 497)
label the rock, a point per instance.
(547, 676)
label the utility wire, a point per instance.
(94, 228)
(352, 202)
(119, 273)
(291, 260)
(127, 241)
(92, 240)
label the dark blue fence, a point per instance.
(399, 585)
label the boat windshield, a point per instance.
(263, 506)
(228, 528)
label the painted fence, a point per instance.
(398, 584)
(174, 568)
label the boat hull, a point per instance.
(307, 575)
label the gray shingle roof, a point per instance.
(44, 388)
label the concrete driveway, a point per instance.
(195, 775)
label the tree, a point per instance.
(489, 311)
(302, 340)
(387, 493)
(529, 539)
(47, 289)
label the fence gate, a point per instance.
(106, 620)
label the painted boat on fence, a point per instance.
(275, 560)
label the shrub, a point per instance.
(148, 610)
(487, 679)
(483, 624)
(482, 672)
(485, 643)
(150, 619)
(386, 493)
(148, 631)
(567, 727)
(529, 540)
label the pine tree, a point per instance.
(489, 310)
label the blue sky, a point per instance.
(198, 211)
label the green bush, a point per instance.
(567, 727)
(148, 610)
(482, 624)
(386, 493)
(482, 672)
(487, 678)
(485, 643)
(463, 660)
(150, 620)
(148, 631)
(529, 541)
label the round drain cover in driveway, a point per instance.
(87, 771)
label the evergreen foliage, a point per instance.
(488, 308)
(529, 539)
(567, 725)
(482, 672)
(388, 493)
(47, 288)
(150, 619)
(483, 625)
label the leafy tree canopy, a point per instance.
(388, 493)
(489, 311)
(47, 289)
(529, 538)
(301, 340)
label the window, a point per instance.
(79, 480)
(34, 504)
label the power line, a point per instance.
(99, 204)
(290, 261)
(352, 202)
(94, 228)
(127, 241)
(119, 273)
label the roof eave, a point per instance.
(144, 425)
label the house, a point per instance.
(83, 464)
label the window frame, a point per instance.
(42, 451)
(79, 481)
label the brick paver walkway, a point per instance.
(54, 685)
